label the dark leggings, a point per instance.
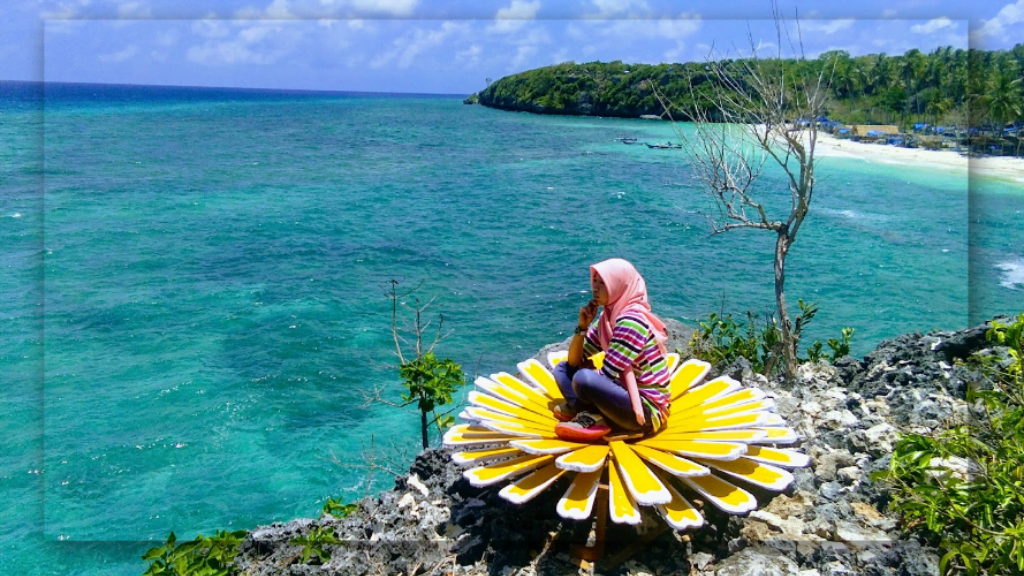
(586, 389)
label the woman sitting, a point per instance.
(630, 392)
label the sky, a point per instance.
(449, 47)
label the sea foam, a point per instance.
(1013, 273)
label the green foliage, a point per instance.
(204, 556)
(431, 382)
(313, 544)
(722, 339)
(870, 89)
(337, 508)
(977, 517)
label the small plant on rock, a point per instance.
(337, 508)
(314, 544)
(203, 556)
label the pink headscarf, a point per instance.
(626, 289)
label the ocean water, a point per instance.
(193, 285)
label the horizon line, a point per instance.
(202, 87)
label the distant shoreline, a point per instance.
(1003, 167)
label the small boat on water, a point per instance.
(627, 140)
(663, 146)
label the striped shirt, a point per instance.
(633, 345)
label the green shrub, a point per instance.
(337, 508)
(313, 544)
(722, 339)
(204, 556)
(975, 516)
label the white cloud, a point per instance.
(405, 49)
(608, 8)
(826, 26)
(120, 55)
(470, 56)
(393, 7)
(262, 43)
(168, 38)
(523, 54)
(64, 10)
(889, 13)
(512, 18)
(932, 25)
(682, 26)
(278, 9)
(210, 28)
(134, 10)
(996, 27)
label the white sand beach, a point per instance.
(1007, 168)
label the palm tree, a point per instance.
(1003, 98)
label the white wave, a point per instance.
(16, 215)
(1013, 273)
(855, 215)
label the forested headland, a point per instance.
(981, 88)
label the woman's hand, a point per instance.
(587, 314)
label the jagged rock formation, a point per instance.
(831, 521)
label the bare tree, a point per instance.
(429, 381)
(746, 114)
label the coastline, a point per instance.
(1002, 167)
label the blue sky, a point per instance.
(445, 46)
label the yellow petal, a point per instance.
(465, 434)
(670, 462)
(535, 372)
(758, 474)
(526, 488)
(746, 435)
(698, 449)
(712, 390)
(530, 393)
(492, 403)
(556, 358)
(779, 435)
(620, 503)
(535, 403)
(688, 376)
(545, 446)
(494, 473)
(778, 456)
(679, 513)
(737, 398)
(481, 415)
(678, 424)
(722, 494)
(671, 361)
(485, 455)
(518, 430)
(586, 459)
(598, 360)
(578, 501)
(642, 483)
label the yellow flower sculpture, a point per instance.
(716, 431)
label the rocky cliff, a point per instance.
(831, 521)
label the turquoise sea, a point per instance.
(193, 283)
